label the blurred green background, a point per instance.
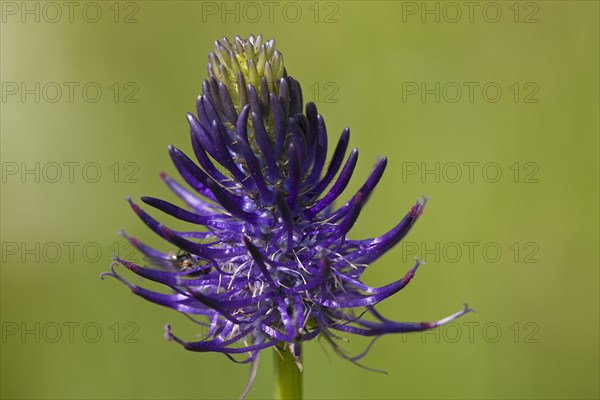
(532, 273)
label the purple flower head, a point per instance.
(267, 259)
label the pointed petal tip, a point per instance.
(131, 239)
(467, 309)
(246, 239)
(136, 208)
(167, 333)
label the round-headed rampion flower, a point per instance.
(267, 260)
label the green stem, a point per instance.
(288, 377)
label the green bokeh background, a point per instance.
(547, 311)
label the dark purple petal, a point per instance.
(321, 145)
(337, 188)
(278, 125)
(399, 327)
(198, 205)
(260, 261)
(177, 212)
(264, 143)
(199, 180)
(181, 161)
(334, 164)
(250, 157)
(293, 182)
(228, 107)
(366, 189)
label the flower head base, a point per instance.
(272, 262)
